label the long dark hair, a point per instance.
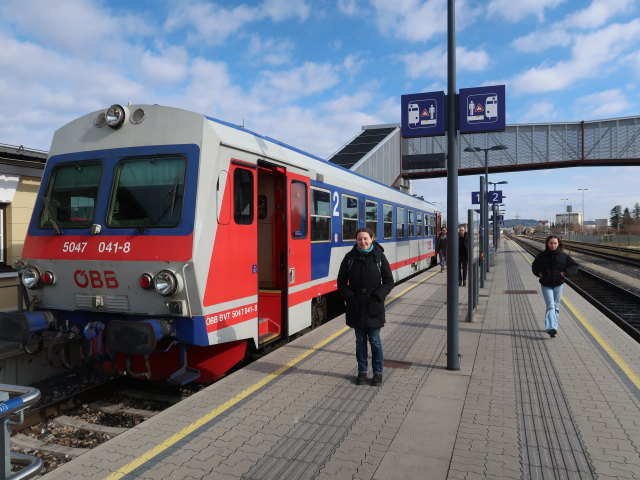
(560, 244)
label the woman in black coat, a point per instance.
(364, 281)
(551, 266)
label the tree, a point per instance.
(627, 220)
(636, 212)
(615, 216)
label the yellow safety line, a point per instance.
(597, 337)
(175, 438)
(605, 346)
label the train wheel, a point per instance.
(318, 311)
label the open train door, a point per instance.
(298, 244)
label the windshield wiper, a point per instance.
(173, 192)
(54, 224)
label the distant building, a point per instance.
(569, 218)
(602, 223)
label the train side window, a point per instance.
(412, 226)
(298, 209)
(243, 196)
(320, 215)
(371, 215)
(387, 219)
(71, 196)
(349, 217)
(419, 224)
(400, 231)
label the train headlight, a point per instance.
(166, 283)
(31, 277)
(115, 116)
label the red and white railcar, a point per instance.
(165, 243)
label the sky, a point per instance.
(311, 73)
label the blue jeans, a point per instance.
(377, 357)
(552, 298)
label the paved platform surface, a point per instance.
(522, 405)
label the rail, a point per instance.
(13, 400)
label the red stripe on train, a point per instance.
(113, 247)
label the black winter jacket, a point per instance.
(364, 281)
(463, 247)
(552, 265)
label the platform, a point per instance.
(521, 406)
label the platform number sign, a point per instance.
(494, 196)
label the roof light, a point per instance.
(115, 116)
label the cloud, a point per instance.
(410, 20)
(286, 86)
(78, 27)
(269, 51)
(539, 111)
(212, 24)
(433, 62)
(602, 104)
(594, 54)
(168, 68)
(516, 11)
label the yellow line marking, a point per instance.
(172, 440)
(605, 346)
(628, 371)
(406, 290)
(176, 437)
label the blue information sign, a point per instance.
(482, 109)
(423, 114)
(494, 196)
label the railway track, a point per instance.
(625, 256)
(614, 301)
(77, 418)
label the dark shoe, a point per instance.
(377, 380)
(553, 332)
(362, 379)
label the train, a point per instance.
(168, 245)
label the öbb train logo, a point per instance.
(95, 279)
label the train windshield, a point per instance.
(147, 192)
(71, 196)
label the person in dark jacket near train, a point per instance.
(463, 255)
(551, 266)
(364, 281)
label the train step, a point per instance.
(184, 375)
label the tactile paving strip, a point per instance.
(551, 446)
(302, 453)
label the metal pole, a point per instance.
(453, 356)
(484, 239)
(486, 210)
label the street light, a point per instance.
(494, 208)
(484, 217)
(564, 215)
(583, 217)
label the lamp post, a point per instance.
(494, 208)
(583, 217)
(484, 217)
(564, 215)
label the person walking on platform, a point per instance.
(441, 248)
(463, 255)
(364, 281)
(551, 266)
